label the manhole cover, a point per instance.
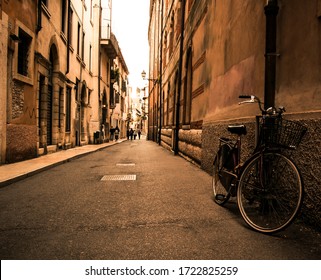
(118, 178)
(125, 164)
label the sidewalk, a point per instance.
(10, 173)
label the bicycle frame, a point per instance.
(234, 154)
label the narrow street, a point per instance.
(155, 206)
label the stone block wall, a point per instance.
(190, 144)
(21, 142)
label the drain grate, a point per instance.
(118, 178)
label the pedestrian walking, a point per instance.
(112, 133)
(131, 134)
(117, 131)
(139, 133)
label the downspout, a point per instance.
(180, 66)
(271, 11)
(68, 35)
(160, 76)
(79, 90)
(100, 112)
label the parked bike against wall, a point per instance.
(268, 185)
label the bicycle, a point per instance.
(268, 185)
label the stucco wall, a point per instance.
(226, 42)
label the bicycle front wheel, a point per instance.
(269, 192)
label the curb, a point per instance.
(20, 177)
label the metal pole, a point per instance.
(160, 75)
(271, 11)
(180, 66)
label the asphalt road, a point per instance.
(164, 210)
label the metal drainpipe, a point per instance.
(160, 76)
(100, 112)
(181, 46)
(271, 11)
(68, 32)
(80, 75)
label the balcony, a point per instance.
(109, 42)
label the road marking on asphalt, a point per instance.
(119, 178)
(125, 164)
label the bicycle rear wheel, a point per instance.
(221, 181)
(269, 192)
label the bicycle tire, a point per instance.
(270, 192)
(221, 182)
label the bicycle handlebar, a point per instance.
(269, 111)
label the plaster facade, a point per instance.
(56, 88)
(217, 52)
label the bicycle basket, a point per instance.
(282, 133)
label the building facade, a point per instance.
(118, 116)
(204, 54)
(57, 90)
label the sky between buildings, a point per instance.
(130, 20)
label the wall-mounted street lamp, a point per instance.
(144, 78)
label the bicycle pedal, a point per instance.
(220, 197)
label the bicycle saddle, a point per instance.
(237, 129)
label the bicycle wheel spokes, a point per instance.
(269, 192)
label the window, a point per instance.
(89, 95)
(112, 98)
(24, 51)
(63, 16)
(117, 98)
(90, 52)
(60, 107)
(76, 89)
(122, 104)
(124, 86)
(83, 46)
(70, 27)
(78, 39)
(41, 90)
(68, 109)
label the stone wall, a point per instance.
(190, 144)
(21, 142)
(17, 99)
(308, 159)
